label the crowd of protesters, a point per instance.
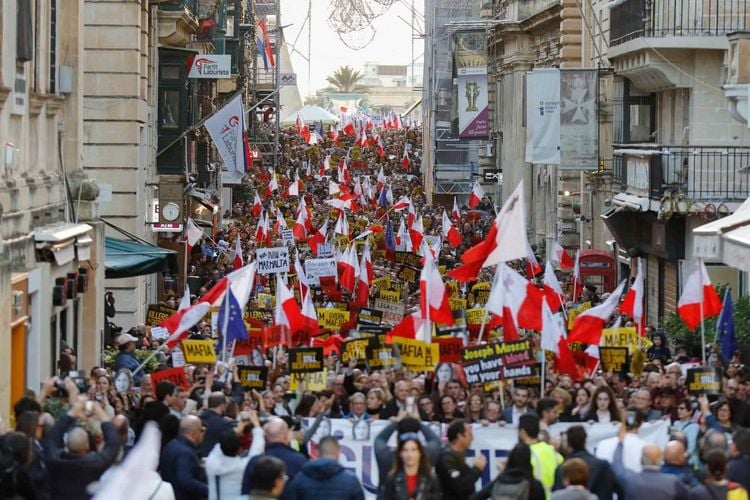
(71, 438)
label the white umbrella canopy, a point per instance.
(310, 114)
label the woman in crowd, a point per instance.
(603, 407)
(411, 476)
(427, 406)
(579, 409)
(375, 402)
(475, 408)
(689, 428)
(718, 416)
(448, 410)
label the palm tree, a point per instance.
(346, 80)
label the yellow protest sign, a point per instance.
(457, 304)
(619, 337)
(475, 315)
(199, 351)
(332, 318)
(482, 285)
(343, 241)
(573, 313)
(383, 283)
(397, 287)
(442, 269)
(314, 382)
(390, 295)
(266, 301)
(417, 355)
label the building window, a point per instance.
(24, 31)
(639, 115)
(174, 111)
(169, 112)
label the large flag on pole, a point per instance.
(699, 299)
(725, 327)
(227, 129)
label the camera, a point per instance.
(78, 378)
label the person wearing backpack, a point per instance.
(516, 481)
(717, 487)
(575, 474)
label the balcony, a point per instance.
(633, 19)
(177, 22)
(701, 173)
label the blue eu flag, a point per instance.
(390, 238)
(235, 325)
(725, 327)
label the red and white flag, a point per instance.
(405, 162)
(517, 300)
(239, 261)
(532, 265)
(381, 180)
(309, 314)
(257, 205)
(301, 276)
(407, 328)
(193, 234)
(260, 231)
(587, 327)
(553, 329)
(273, 184)
(402, 203)
(342, 225)
(299, 225)
(632, 304)
(416, 233)
(318, 238)
(380, 148)
(411, 215)
(185, 302)
(326, 165)
(552, 289)
(477, 193)
(402, 236)
(365, 278)
(698, 294)
(227, 130)
(179, 323)
(450, 232)
(433, 295)
(287, 310)
(456, 213)
(560, 256)
(348, 277)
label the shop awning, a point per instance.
(721, 239)
(126, 258)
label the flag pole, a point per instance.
(544, 370)
(225, 326)
(703, 329)
(481, 328)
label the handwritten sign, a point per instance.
(704, 380)
(287, 236)
(305, 359)
(272, 260)
(175, 375)
(159, 333)
(614, 359)
(178, 359)
(332, 318)
(253, 377)
(417, 355)
(199, 351)
(317, 268)
(393, 312)
(325, 250)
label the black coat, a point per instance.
(428, 488)
(601, 478)
(457, 479)
(739, 471)
(216, 425)
(180, 466)
(69, 475)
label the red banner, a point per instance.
(175, 375)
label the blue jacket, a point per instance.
(325, 478)
(647, 484)
(128, 360)
(739, 471)
(180, 466)
(293, 460)
(684, 472)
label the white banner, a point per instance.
(211, 66)
(227, 128)
(317, 268)
(272, 260)
(543, 116)
(493, 441)
(579, 121)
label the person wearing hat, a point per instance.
(126, 358)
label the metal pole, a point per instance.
(412, 45)
(309, 46)
(703, 329)
(277, 75)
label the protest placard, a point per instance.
(614, 359)
(457, 304)
(325, 250)
(178, 359)
(287, 236)
(354, 349)
(509, 353)
(157, 313)
(704, 380)
(266, 301)
(253, 341)
(199, 351)
(417, 355)
(313, 382)
(175, 375)
(369, 317)
(474, 316)
(332, 318)
(381, 356)
(491, 368)
(408, 274)
(393, 312)
(373, 329)
(272, 260)
(450, 349)
(305, 359)
(159, 333)
(383, 283)
(389, 295)
(317, 268)
(253, 377)
(408, 258)
(573, 313)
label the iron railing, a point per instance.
(702, 173)
(661, 18)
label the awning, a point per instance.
(126, 258)
(726, 239)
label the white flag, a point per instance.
(227, 129)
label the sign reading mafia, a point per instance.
(211, 66)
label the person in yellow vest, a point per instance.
(544, 458)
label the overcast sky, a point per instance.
(391, 45)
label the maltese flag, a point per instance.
(553, 329)
(560, 256)
(477, 193)
(407, 328)
(416, 233)
(381, 180)
(698, 294)
(299, 225)
(402, 203)
(257, 205)
(456, 213)
(587, 327)
(532, 265)
(450, 232)
(517, 300)
(309, 314)
(193, 233)
(632, 304)
(552, 289)
(238, 260)
(342, 225)
(433, 295)
(287, 310)
(182, 321)
(318, 238)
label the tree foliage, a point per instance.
(346, 80)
